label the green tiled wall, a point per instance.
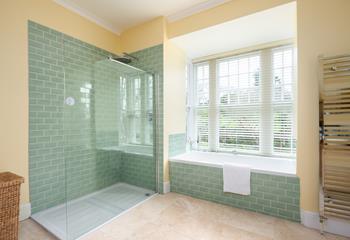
(46, 141)
(66, 143)
(106, 104)
(93, 83)
(270, 194)
(138, 170)
(151, 59)
(177, 144)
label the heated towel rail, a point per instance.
(335, 137)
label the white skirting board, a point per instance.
(166, 187)
(24, 211)
(331, 225)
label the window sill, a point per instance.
(258, 164)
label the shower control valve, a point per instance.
(70, 101)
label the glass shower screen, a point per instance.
(108, 125)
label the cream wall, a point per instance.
(174, 96)
(145, 35)
(323, 28)
(14, 15)
(222, 13)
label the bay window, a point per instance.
(244, 103)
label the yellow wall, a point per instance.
(145, 35)
(222, 13)
(174, 96)
(14, 15)
(323, 28)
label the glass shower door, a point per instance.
(108, 145)
(79, 143)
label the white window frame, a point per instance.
(266, 141)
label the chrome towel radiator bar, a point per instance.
(335, 137)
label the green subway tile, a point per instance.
(271, 211)
(268, 193)
(177, 144)
(270, 197)
(292, 208)
(277, 204)
(264, 202)
(293, 180)
(63, 137)
(285, 214)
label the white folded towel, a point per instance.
(236, 178)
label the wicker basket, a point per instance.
(9, 205)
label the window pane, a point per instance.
(283, 116)
(243, 65)
(243, 80)
(239, 98)
(224, 98)
(287, 58)
(233, 67)
(224, 82)
(200, 74)
(239, 129)
(203, 99)
(201, 96)
(277, 60)
(206, 71)
(233, 79)
(202, 127)
(243, 75)
(202, 85)
(283, 74)
(287, 75)
(283, 137)
(233, 97)
(223, 69)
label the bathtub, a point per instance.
(258, 164)
(275, 188)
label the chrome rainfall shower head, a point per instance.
(126, 58)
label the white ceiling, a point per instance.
(118, 15)
(278, 23)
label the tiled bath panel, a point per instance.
(76, 137)
(270, 194)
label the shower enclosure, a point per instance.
(106, 162)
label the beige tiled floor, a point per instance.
(177, 217)
(30, 230)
